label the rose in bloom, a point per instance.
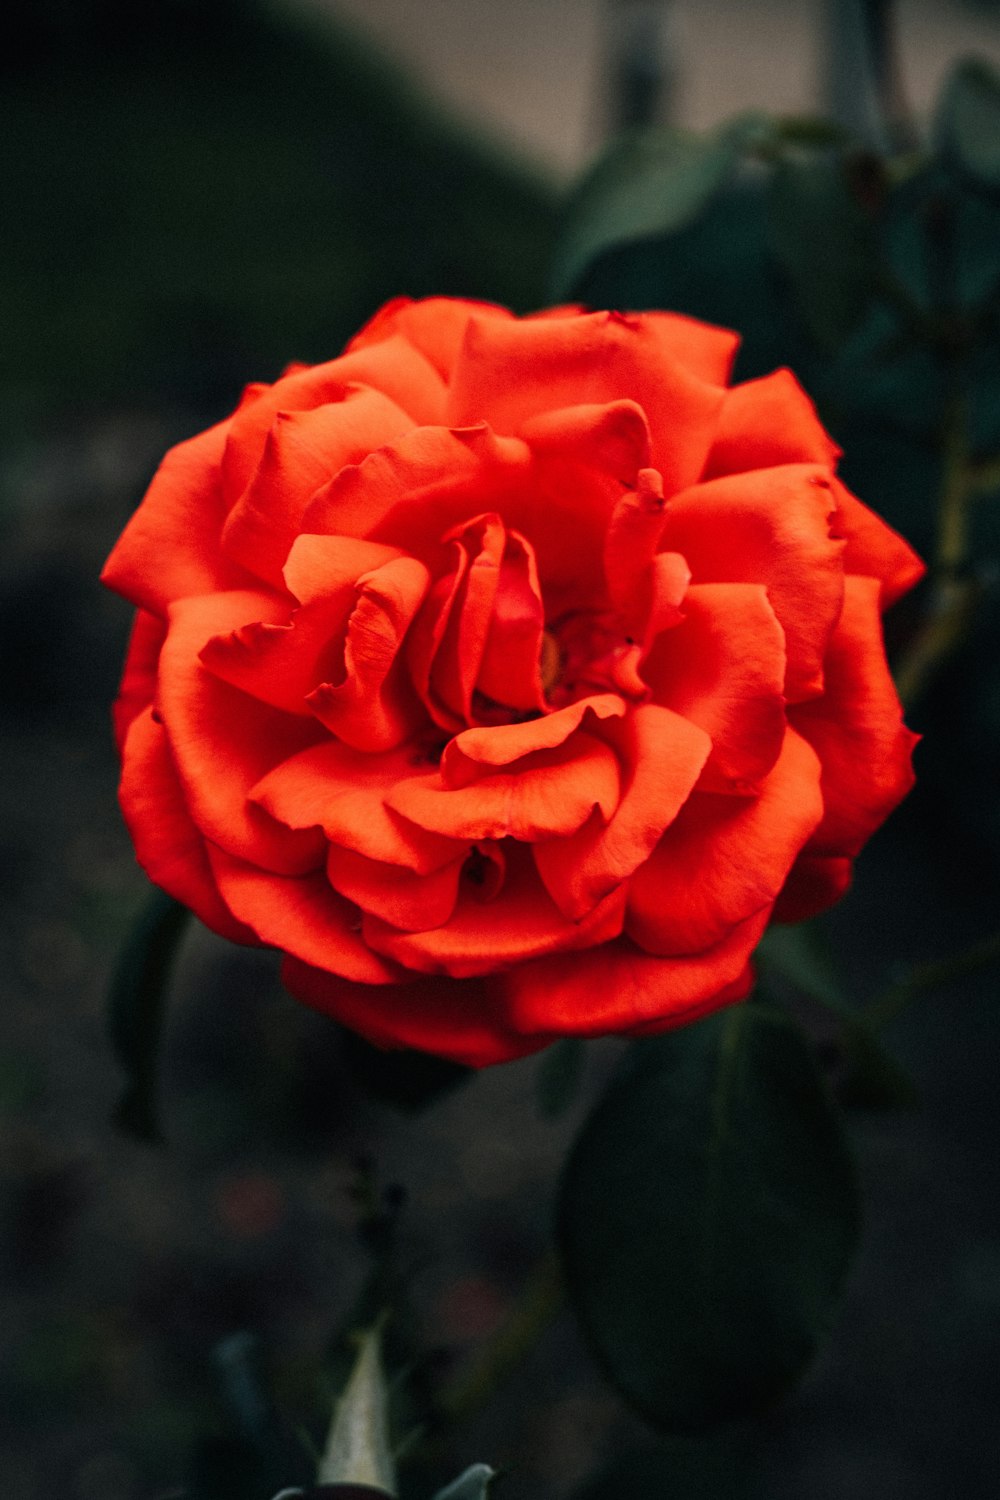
(509, 675)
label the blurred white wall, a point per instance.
(530, 71)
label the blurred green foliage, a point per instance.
(195, 195)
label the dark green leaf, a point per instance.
(650, 183)
(707, 1217)
(409, 1080)
(968, 123)
(137, 1002)
(474, 1484)
(559, 1074)
(796, 953)
(823, 236)
(872, 1078)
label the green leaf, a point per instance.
(357, 1449)
(136, 1005)
(871, 1077)
(795, 953)
(824, 239)
(472, 1485)
(967, 125)
(650, 183)
(560, 1071)
(707, 1217)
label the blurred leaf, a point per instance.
(871, 1077)
(795, 953)
(967, 125)
(650, 183)
(824, 239)
(560, 1071)
(136, 1005)
(357, 1448)
(406, 1079)
(472, 1485)
(708, 1213)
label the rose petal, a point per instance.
(767, 422)
(613, 438)
(170, 547)
(856, 728)
(618, 988)
(399, 896)
(463, 1019)
(723, 667)
(435, 325)
(503, 744)
(138, 684)
(814, 882)
(284, 664)
(303, 450)
(551, 793)
(523, 924)
(168, 846)
(224, 741)
(724, 858)
(302, 915)
(873, 549)
(662, 755)
(393, 367)
(510, 372)
(372, 705)
(771, 526)
(343, 791)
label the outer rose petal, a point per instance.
(725, 858)
(874, 549)
(856, 729)
(170, 547)
(814, 882)
(301, 915)
(138, 684)
(167, 843)
(223, 741)
(768, 422)
(771, 526)
(395, 368)
(464, 1019)
(436, 326)
(617, 988)
(508, 372)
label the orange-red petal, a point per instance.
(724, 858)
(771, 526)
(169, 847)
(857, 728)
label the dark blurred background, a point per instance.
(192, 195)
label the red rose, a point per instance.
(509, 674)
